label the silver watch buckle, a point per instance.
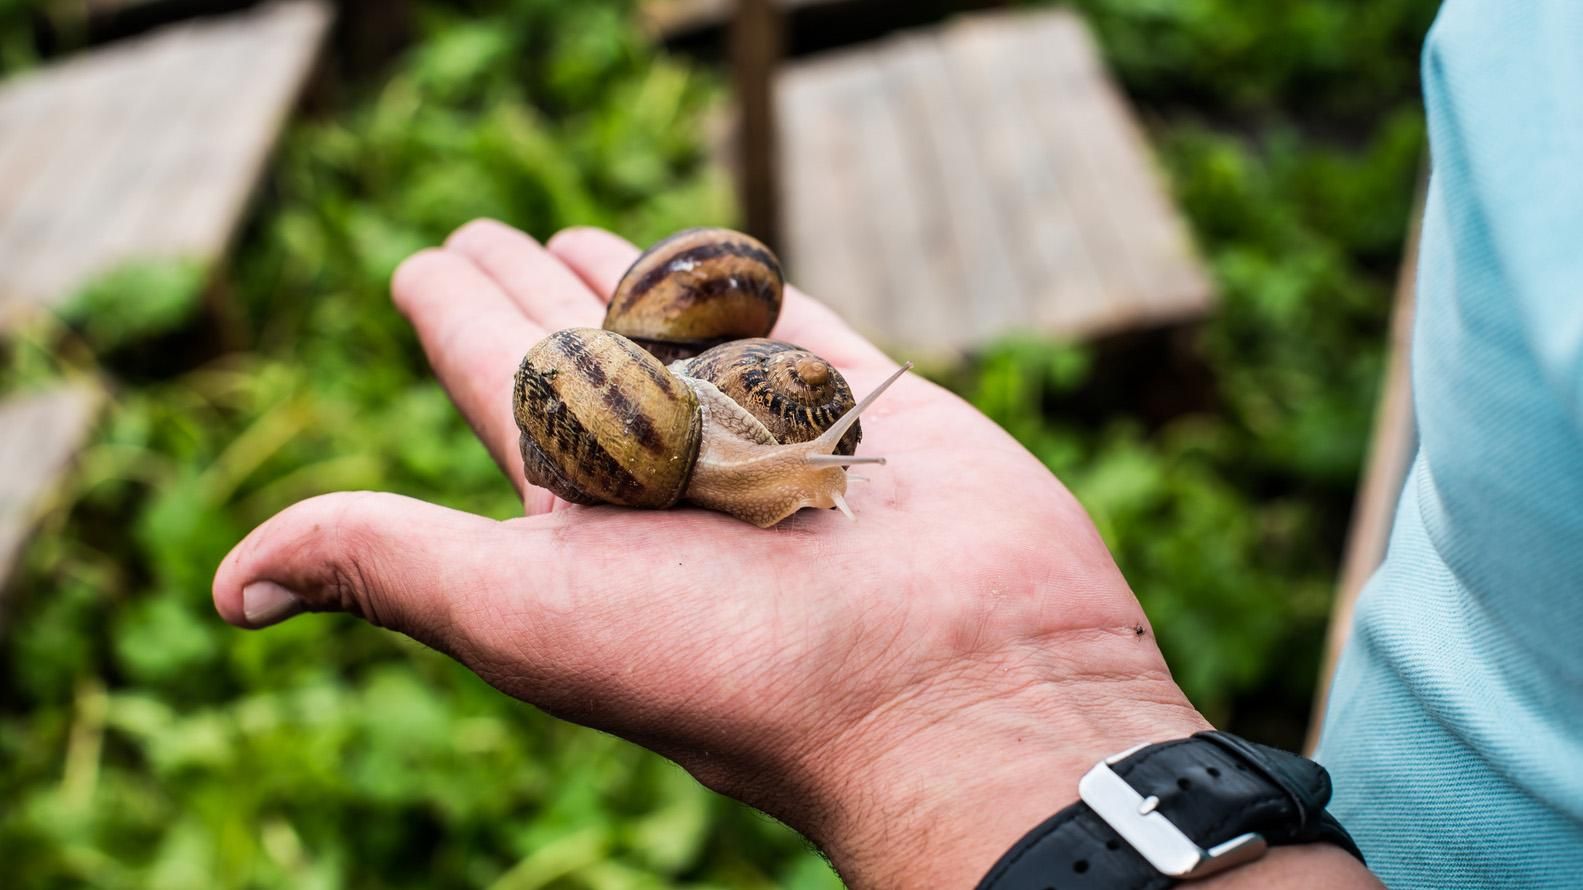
(1155, 837)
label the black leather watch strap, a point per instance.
(1213, 787)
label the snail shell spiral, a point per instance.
(603, 421)
(696, 289)
(795, 394)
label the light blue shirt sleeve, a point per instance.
(1455, 734)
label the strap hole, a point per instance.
(1241, 768)
(1080, 866)
(1113, 845)
(1213, 773)
(1184, 784)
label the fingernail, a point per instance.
(265, 603)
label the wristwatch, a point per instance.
(1158, 814)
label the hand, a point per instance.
(913, 692)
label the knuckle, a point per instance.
(572, 238)
(353, 580)
(415, 277)
(476, 235)
(345, 552)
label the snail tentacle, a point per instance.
(830, 438)
(842, 460)
(840, 504)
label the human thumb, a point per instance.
(397, 562)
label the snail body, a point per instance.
(697, 289)
(603, 421)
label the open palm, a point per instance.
(828, 672)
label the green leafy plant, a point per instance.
(136, 301)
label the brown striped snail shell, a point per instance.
(697, 289)
(796, 395)
(603, 421)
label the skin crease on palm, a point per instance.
(913, 691)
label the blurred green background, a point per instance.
(145, 744)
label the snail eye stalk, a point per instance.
(842, 460)
(827, 441)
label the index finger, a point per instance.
(600, 258)
(474, 338)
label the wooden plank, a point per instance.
(818, 101)
(149, 199)
(1005, 188)
(40, 433)
(55, 111)
(902, 210)
(989, 299)
(1056, 89)
(756, 44)
(1391, 450)
(1142, 243)
(669, 19)
(1036, 187)
(288, 44)
(81, 187)
(878, 180)
(148, 148)
(935, 273)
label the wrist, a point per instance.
(932, 789)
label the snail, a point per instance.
(604, 421)
(697, 289)
(796, 395)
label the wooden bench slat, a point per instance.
(1152, 270)
(1391, 450)
(72, 201)
(40, 434)
(187, 187)
(1004, 188)
(38, 144)
(290, 44)
(665, 19)
(856, 93)
(1057, 76)
(1032, 183)
(148, 148)
(819, 102)
(146, 210)
(902, 213)
(988, 298)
